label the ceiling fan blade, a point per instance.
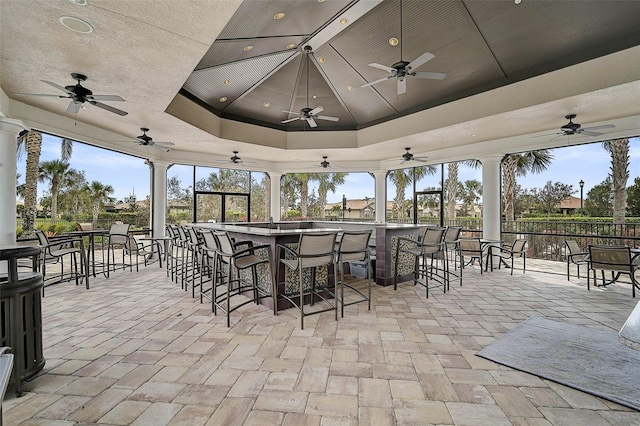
(41, 94)
(326, 117)
(431, 75)
(114, 98)
(73, 107)
(161, 148)
(108, 108)
(290, 120)
(546, 134)
(57, 86)
(425, 57)
(316, 110)
(604, 126)
(402, 86)
(163, 143)
(312, 122)
(292, 112)
(589, 133)
(559, 135)
(377, 81)
(382, 67)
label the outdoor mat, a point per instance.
(591, 360)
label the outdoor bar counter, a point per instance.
(383, 241)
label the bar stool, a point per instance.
(313, 251)
(354, 247)
(252, 266)
(427, 248)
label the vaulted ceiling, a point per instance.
(513, 71)
(255, 69)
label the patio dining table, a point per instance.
(91, 253)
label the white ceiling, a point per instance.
(145, 50)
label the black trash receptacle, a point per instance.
(21, 315)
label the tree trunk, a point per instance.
(96, 211)
(509, 184)
(399, 201)
(54, 201)
(267, 196)
(619, 174)
(304, 197)
(33, 146)
(452, 190)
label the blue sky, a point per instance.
(129, 174)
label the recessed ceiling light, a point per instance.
(248, 48)
(321, 1)
(79, 2)
(291, 46)
(351, 88)
(75, 24)
(223, 99)
(344, 21)
(321, 59)
(393, 41)
(226, 81)
(278, 15)
(266, 104)
(314, 97)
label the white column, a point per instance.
(9, 130)
(381, 196)
(159, 198)
(274, 177)
(491, 211)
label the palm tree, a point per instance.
(401, 178)
(471, 191)
(288, 185)
(58, 173)
(519, 165)
(99, 194)
(31, 142)
(327, 182)
(619, 150)
(451, 187)
(303, 184)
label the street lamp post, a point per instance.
(581, 183)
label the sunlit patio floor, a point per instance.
(137, 349)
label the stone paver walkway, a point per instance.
(136, 349)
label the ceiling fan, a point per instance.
(402, 69)
(324, 164)
(572, 128)
(146, 140)
(407, 156)
(309, 114)
(80, 94)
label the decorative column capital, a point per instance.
(10, 125)
(161, 164)
(491, 159)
